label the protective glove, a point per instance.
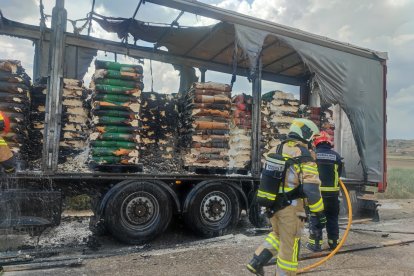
(269, 212)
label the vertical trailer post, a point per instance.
(203, 74)
(53, 110)
(256, 120)
(305, 93)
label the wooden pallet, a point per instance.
(206, 170)
(216, 170)
(118, 168)
(242, 171)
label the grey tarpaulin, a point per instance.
(77, 61)
(76, 64)
(251, 41)
(353, 82)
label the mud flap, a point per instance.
(364, 205)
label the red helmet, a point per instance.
(323, 137)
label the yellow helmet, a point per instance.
(304, 128)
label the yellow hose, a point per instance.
(348, 227)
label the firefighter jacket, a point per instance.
(2, 122)
(305, 173)
(5, 152)
(329, 168)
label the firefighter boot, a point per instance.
(332, 244)
(256, 264)
(314, 245)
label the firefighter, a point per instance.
(329, 167)
(292, 173)
(6, 155)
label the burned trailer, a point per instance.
(138, 206)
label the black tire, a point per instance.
(138, 213)
(256, 217)
(213, 210)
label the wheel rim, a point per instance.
(139, 210)
(215, 208)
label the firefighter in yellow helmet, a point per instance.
(289, 175)
(6, 155)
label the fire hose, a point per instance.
(348, 227)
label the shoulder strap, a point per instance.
(305, 156)
(279, 148)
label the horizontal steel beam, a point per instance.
(33, 33)
(25, 31)
(230, 16)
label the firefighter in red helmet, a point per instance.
(329, 167)
(6, 155)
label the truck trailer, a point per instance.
(137, 206)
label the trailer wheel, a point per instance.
(213, 210)
(138, 212)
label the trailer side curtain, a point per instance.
(353, 82)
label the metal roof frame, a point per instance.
(195, 7)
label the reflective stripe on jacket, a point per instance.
(329, 167)
(306, 172)
(309, 170)
(5, 152)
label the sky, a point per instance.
(381, 25)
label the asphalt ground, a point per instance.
(178, 252)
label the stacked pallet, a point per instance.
(321, 116)
(206, 117)
(115, 115)
(74, 120)
(240, 132)
(37, 119)
(14, 103)
(159, 126)
(278, 111)
(327, 120)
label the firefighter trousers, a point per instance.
(331, 205)
(284, 240)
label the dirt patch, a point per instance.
(398, 162)
(72, 232)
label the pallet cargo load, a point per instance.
(207, 125)
(322, 116)
(37, 120)
(240, 133)
(75, 117)
(75, 121)
(14, 103)
(116, 102)
(159, 127)
(278, 111)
